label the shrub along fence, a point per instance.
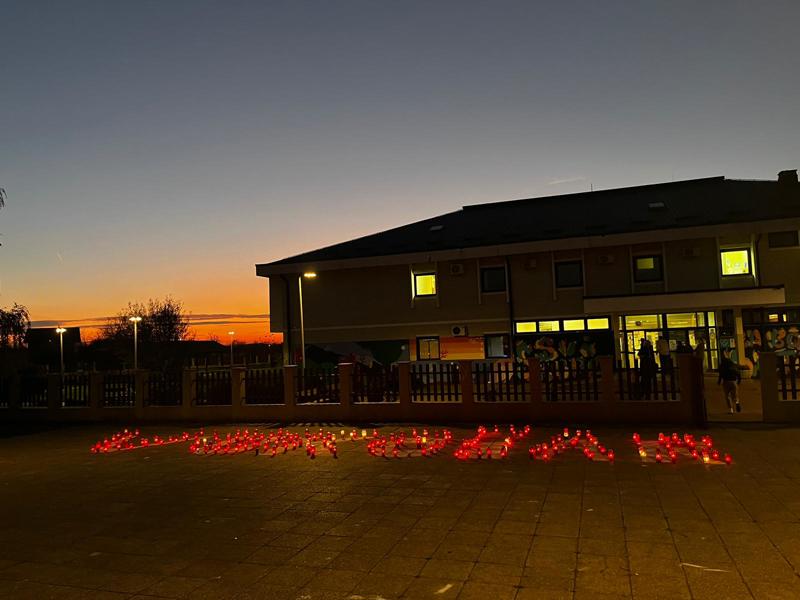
(455, 391)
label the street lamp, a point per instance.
(231, 333)
(135, 321)
(306, 275)
(61, 331)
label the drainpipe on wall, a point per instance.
(510, 307)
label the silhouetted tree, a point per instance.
(162, 321)
(14, 324)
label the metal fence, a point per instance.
(119, 390)
(378, 383)
(5, 392)
(787, 377)
(213, 387)
(504, 381)
(636, 384)
(164, 388)
(435, 382)
(317, 386)
(570, 381)
(263, 386)
(75, 390)
(33, 391)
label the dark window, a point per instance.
(647, 268)
(783, 239)
(428, 348)
(496, 346)
(569, 274)
(493, 279)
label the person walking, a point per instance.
(647, 368)
(700, 351)
(730, 377)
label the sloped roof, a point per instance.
(696, 202)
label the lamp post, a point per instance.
(306, 275)
(60, 331)
(135, 321)
(231, 333)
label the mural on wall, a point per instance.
(584, 348)
(369, 354)
(783, 340)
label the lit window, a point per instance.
(647, 268)
(682, 320)
(735, 262)
(574, 325)
(424, 284)
(774, 318)
(428, 348)
(633, 322)
(496, 346)
(549, 326)
(711, 319)
(493, 279)
(526, 327)
(598, 323)
(569, 274)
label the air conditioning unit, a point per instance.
(458, 330)
(693, 252)
(456, 269)
(605, 259)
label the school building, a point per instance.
(566, 276)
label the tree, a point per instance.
(162, 321)
(14, 324)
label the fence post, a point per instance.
(54, 385)
(768, 373)
(96, 394)
(140, 387)
(237, 390)
(404, 388)
(345, 386)
(187, 391)
(535, 380)
(608, 388)
(290, 385)
(465, 382)
(691, 382)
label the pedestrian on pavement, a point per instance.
(730, 377)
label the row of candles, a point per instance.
(671, 444)
(483, 445)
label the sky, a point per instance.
(153, 148)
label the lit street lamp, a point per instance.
(231, 333)
(306, 275)
(60, 331)
(135, 321)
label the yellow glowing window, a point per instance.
(549, 326)
(679, 320)
(646, 263)
(711, 319)
(774, 318)
(598, 323)
(425, 284)
(573, 325)
(642, 322)
(735, 262)
(526, 327)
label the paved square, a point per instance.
(160, 522)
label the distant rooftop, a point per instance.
(695, 202)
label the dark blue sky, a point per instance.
(164, 147)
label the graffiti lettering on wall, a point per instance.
(783, 340)
(579, 347)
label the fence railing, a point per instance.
(119, 390)
(33, 391)
(378, 383)
(570, 381)
(164, 388)
(636, 384)
(787, 377)
(435, 382)
(5, 392)
(263, 386)
(75, 390)
(317, 386)
(500, 381)
(213, 387)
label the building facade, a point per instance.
(571, 276)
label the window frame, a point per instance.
(420, 338)
(558, 263)
(483, 268)
(506, 345)
(435, 284)
(747, 249)
(658, 259)
(784, 247)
